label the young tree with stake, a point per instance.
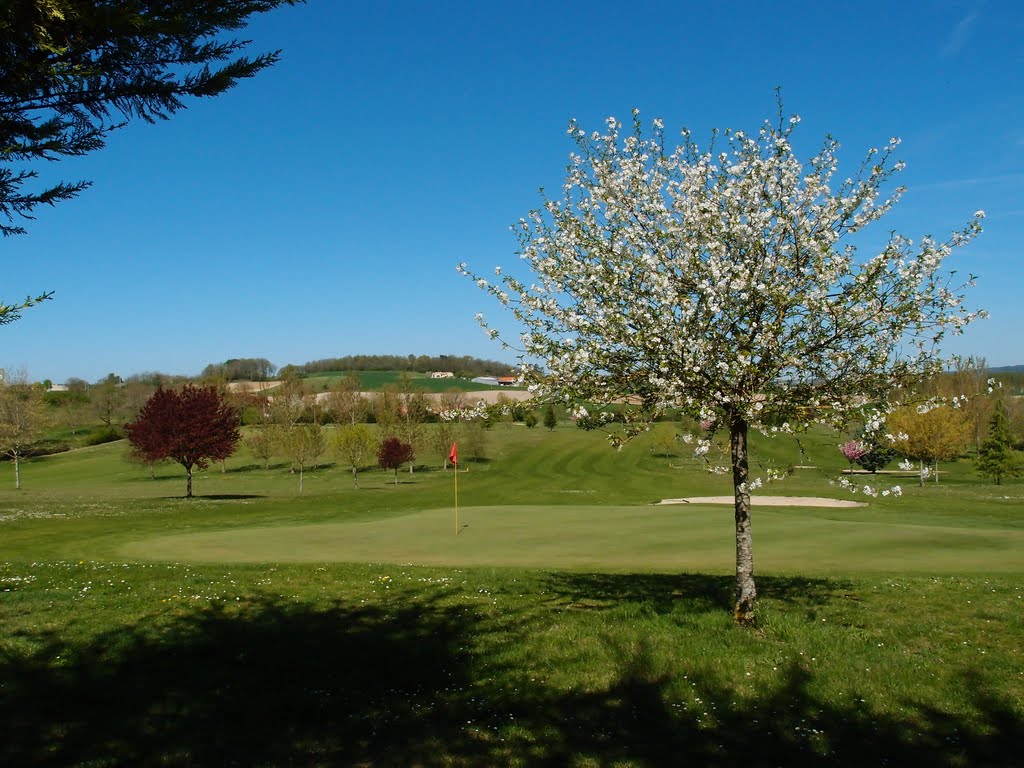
(725, 282)
(22, 418)
(303, 445)
(356, 444)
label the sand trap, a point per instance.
(769, 501)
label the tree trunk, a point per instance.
(920, 473)
(743, 612)
(300, 479)
(396, 475)
(188, 484)
(17, 473)
(935, 467)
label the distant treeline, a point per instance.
(240, 369)
(463, 366)
(1012, 381)
(261, 369)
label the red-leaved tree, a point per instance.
(191, 426)
(394, 453)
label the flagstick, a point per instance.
(456, 497)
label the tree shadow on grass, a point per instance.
(322, 467)
(256, 467)
(273, 683)
(689, 592)
(212, 497)
(635, 721)
(229, 496)
(246, 469)
(268, 683)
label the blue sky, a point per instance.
(321, 208)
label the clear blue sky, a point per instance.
(321, 208)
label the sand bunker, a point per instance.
(769, 501)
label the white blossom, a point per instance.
(728, 283)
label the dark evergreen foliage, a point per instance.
(73, 71)
(550, 420)
(876, 458)
(997, 459)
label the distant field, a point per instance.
(375, 380)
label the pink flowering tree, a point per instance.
(853, 451)
(725, 282)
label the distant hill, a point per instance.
(372, 381)
(261, 369)
(1007, 369)
(463, 366)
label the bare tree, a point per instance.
(22, 415)
(346, 401)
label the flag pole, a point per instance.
(454, 456)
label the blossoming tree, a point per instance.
(726, 282)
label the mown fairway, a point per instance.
(569, 623)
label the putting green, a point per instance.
(691, 537)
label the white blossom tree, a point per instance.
(726, 282)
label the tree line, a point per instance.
(240, 369)
(261, 369)
(464, 366)
(194, 426)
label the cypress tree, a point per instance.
(550, 420)
(997, 459)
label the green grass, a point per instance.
(571, 622)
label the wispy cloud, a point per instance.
(960, 34)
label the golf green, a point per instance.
(654, 538)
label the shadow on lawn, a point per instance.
(282, 684)
(666, 593)
(230, 496)
(214, 497)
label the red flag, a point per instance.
(453, 457)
